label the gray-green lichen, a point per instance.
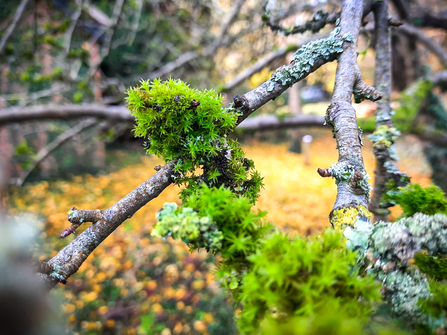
(341, 171)
(305, 57)
(385, 250)
(188, 226)
(345, 172)
(384, 137)
(404, 290)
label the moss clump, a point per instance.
(232, 229)
(436, 304)
(416, 199)
(434, 266)
(348, 216)
(300, 277)
(191, 127)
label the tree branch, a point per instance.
(385, 134)
(69, 259)
(17, 17)
(318, 22)
(353, 191)
(72, 26)
(60, 140)
(430, 44)
(273, 122)
(224, 28)
(65, 112)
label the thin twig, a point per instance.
(72, 26)
(17, 17)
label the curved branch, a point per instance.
(430, 44)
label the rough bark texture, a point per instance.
(342, 116)
(69, 259)
(386, 160)
(272, 122)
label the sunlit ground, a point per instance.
(134, 283)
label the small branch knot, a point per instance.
(394, 23)
(324, 173)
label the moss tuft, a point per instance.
(191, 126)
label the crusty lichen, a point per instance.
(349, 216)
(384, 136)
(305, 57)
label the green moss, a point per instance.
(411, 101)
(300, 277)
(416, 199)
(434, 266)
(191, 126)
(436, 304)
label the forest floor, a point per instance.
(136, 284)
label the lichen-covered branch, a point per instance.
(385, 134)
(349, 172)
(306, 60)
(318, 22)
(69, 259)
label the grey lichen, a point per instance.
(384, 137)
(187, 225)
(404, 290)
(385, 250)
(305, 57)
(341, 172)
(345, 172)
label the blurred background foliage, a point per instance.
(137, 284)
